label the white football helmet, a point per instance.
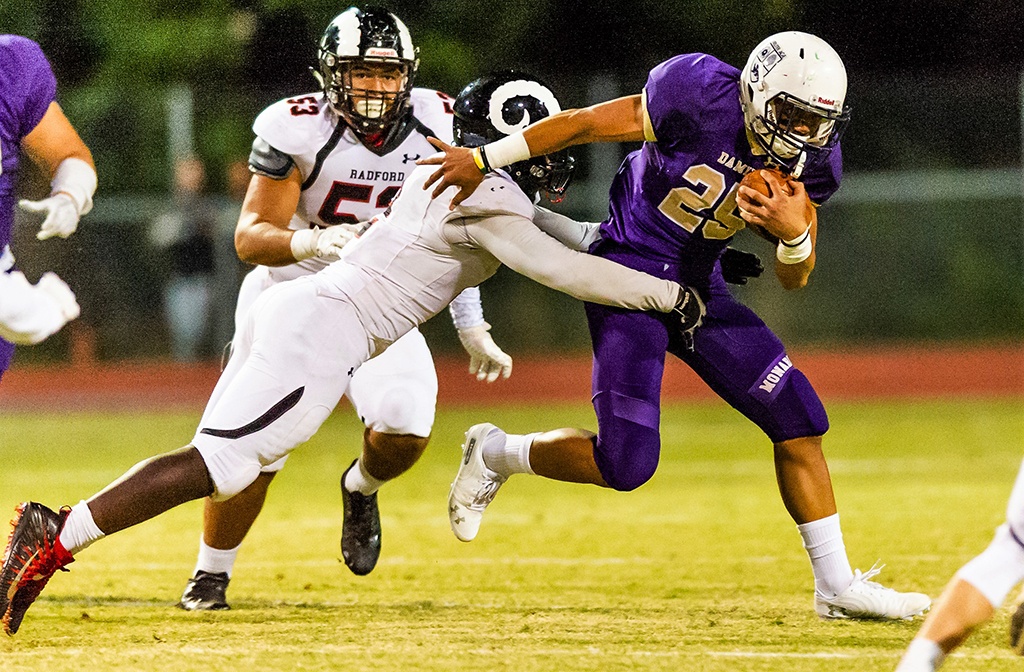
(793, 93)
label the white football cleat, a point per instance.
(865, 599)
(475, 485)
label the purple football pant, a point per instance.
(6, 355)
(734, 352)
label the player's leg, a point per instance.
(395, 395)
(276, 401)
(629, 357)
(740, 358)
(225, 523)
(975, 592)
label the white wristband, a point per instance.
(77, 179)
(304, 243)
(510, 149)
(796, 250)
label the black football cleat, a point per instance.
(31, 558)
(360, 529)
(206, 592)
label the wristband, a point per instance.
(510, 149)
(77, 179)
(480, 160)
(303, 243)
(796, 250)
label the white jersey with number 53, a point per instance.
(343, 181)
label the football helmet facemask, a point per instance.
(502, 103)
(366, 66)
(793, 92)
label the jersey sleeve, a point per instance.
(673, 98)
(516, 242)
(288, 132)
(823, 180)
(434, 111)
(496, 195)
(39, 86)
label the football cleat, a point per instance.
(206, 591)
(33, 555)
(360, 529)
(1017, 627)
(865, 599)
(475, 485)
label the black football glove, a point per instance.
(690, 310)
(738, 266)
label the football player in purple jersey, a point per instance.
(674, 205)
(32, 122)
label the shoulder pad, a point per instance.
(269, 162)
(496, 195)
(295, 127)
(434, 110)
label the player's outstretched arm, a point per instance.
(620, 120)
(56, 148)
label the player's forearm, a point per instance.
(261, 242)
(796, 276)
(466, 309)
(574, 235)
(521, 246)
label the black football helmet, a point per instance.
(358, 37)
(502, 103)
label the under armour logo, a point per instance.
(351, 371)
(408, 158)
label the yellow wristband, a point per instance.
(479, 160)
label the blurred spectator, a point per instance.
(186, 235)
(229, 269)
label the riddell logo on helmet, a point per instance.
(826, 101)
(381, 53)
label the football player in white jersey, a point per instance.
(322, 162)
(303, 340)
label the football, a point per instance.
(755, 180)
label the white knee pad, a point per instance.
(230, 470)
(998, 569)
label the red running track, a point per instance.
(861, 373)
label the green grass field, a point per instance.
(700, 569)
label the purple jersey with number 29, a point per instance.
(27, 87)
(672, 212)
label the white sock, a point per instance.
(215, 560)
(359, 480)
(512, 457)
(823, 541)
(79, 529)
(923, 655)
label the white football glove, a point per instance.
(58, 290)
(333, 240)
(486, 359)
(61, 215)
(33, 312)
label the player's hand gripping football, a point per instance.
(61, 215)
(782, 212)
(739, 266)
(486, 360)
(457, 169)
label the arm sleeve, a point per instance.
(466, 309)
(27, 314)
(575, 235)
(516, 242)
